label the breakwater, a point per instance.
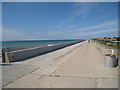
(19, 55)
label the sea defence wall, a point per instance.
(23, 54)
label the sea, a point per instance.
(17, 45)
(30, 43)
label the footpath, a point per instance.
(82, 67)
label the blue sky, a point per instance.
(59, 20)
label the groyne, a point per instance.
(22, 54)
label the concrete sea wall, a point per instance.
(23, 54)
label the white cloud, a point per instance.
(66, 23)
(91, 30)
(103, 31)
(94, 27)
(94, 34)
(81, 14)
(11, 34)
(62, 35)
(83, 8)
(110, 23)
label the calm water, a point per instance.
(31, 43)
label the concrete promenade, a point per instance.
(16, 70)
(81, 67)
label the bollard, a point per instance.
(110, 58)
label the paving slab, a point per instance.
(16, 70)
(68, 82)
(30, 80)
(108, 83)
(86, 61)
(12, 72)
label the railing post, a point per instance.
(7, 58)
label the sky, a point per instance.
(59, 20)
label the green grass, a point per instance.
(103, 42)
(116, 46)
